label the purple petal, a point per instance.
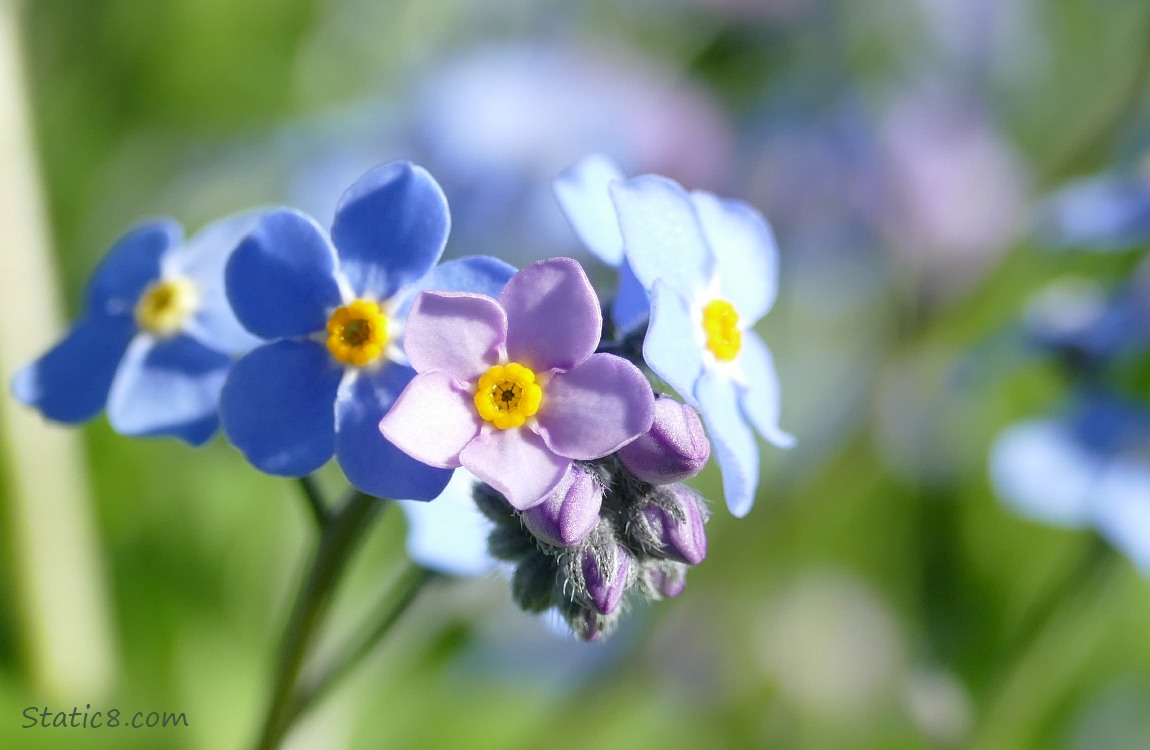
(553, 317)
(569, 513)
(458, 333)
(390, 228)
(515, 462)
(432, 420)
(595, 409)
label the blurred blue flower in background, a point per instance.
(288, 283)
(1087, 468)
(156, 338)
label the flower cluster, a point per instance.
(358, 344)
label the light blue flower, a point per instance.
(333, 311)
(708, 271)
(1088, 468)
(450, 534)
(155, 340)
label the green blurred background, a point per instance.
(878, 596)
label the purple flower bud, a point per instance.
(569, 513)
(669, 580)
(675, 448)
(605, 573)
(674, 526)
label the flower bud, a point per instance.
(675, 448)
(668, 580)
(567, 515)
(670, 526)
(605, 574)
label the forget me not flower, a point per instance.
(1089, 467)
(334, 313)
(710, 269)
(155, 340)
(513, 389)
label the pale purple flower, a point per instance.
(569, 513)
(513, 389)
(674, 449)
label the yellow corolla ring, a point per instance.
(507, 395)
(165, 305)
(357, 333)
(721, 327)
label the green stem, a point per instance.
(344, 530)
(384, 616)
(314, 497)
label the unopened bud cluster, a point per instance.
(613, 527)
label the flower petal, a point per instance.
(278, 407)
(479, 274)
(515, 462)
(734, 443)
(390, 228)
(746, 255)
(631, 307)
(281, 279)
(583, 194)
(369, 461)
(1122, 509)
(553, 316)
(432, 420)
(203, 259)
(672, 348)
(760, 396)
(128, 268)
(596, 408)
(458, 333)
(662, 234)
(168, 387)
(450, 534)
(1040, 471)
(70, 383)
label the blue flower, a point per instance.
(1085, 468)
(709, 268)
(450, 535)
(333, 311)
(155, 340)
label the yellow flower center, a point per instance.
(721, 324)
(507, 395)
(165, 305)
(357, 333)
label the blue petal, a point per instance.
(70, 383)
(760, 395)
(281, 279)
(278, 407)
(368, 459)
(671, 347)
(1040, 471)
(630, 308)
(662, 234)
(746, 256)
(480, 274)
(203, 259)
(734, 443)
(390, 229)
(450, 534)
(1122, 510)
(169, 387)
(128, 268)
(582, 192)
